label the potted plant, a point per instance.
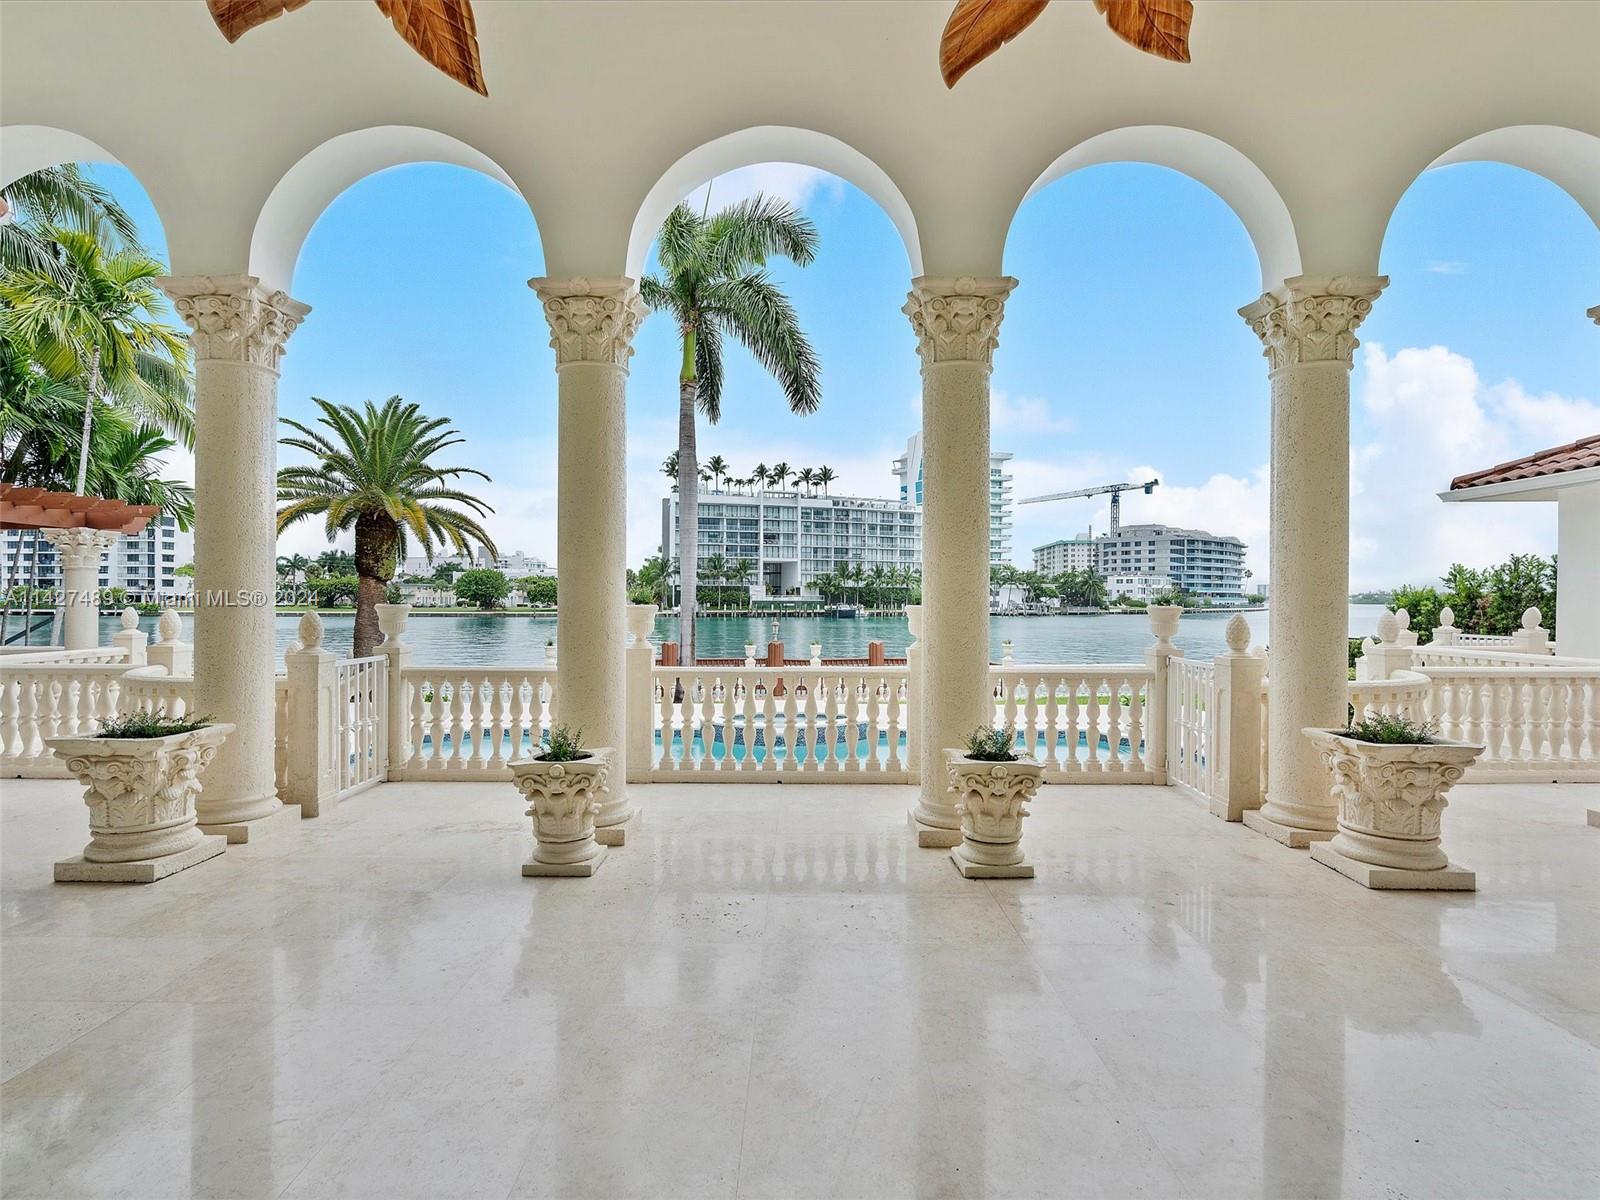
(993, 784)
(565, 786)
(1390, 776)
(141, 775)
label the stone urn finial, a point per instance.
(1237, 634)
(129, 619)
(914, 621)
(310, 631)
(1403, 616)
(168, 626)
(392, 622)
(1447, 617)
(641, 621)
(1531, 618)
(1164, 621)
(1388, 627)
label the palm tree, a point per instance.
(777, 473)
(670, 467)
(825, 476)
(58, 196)
(759, 475)
(714, 570)
(374, 474)
(124, 465)
(740, 574)
(806, 478)
(718, 466)
(714, 284)
(94, 321)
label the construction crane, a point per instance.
(1115, 489)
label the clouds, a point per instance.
(797, 184)
(1029, 415)
(1423, 416)
(1449, 267)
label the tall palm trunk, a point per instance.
(688, 505)
(376, 541)
(89, 394)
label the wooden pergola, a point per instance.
(35, 508)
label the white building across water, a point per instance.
(790, 538)
(1141, 561)
(144, 564)
(908, 470)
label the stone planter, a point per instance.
(992, 800)
(1390, 799)
(141, 796)
(563, 799)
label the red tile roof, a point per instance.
(1558, 460)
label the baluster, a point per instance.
(873, 698)
(705, 690)
(1008, 702)
(854, 716)
(1072, 764)
(413, 685)
(664, 709)
(1092, 720)
(769, 725)
(1502, 693)
(747, 733)
(437, 732)
(1135, 760)
(8, 719)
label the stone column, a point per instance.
(239, 330)
(80, 551)
(1308, 329)
(957, 323)
(592, 323)
(311, 780)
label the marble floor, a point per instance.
(770, 992)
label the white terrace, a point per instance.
(788, 991)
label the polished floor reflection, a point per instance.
(770, 992)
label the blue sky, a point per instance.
(1121, 352)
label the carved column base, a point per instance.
(144, 870)
(236, 823)
(1449, 878)
(1292, 828)
(932, 833)
(612, 821)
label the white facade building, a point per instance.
(144, 564)
(1136, 587)
(908, 470)
(1206, 565)
(790, 538)
(515, 565)
(1066, 554)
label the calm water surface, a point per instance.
(520, 641)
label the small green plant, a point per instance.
(151, 724)
(988, 744)
(1396, 730)
(564, 745)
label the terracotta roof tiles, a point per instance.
(1558, 460)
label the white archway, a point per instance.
(315, 181)
(765, 144)
(1208, 160)
(25, 149)
(1568, 158)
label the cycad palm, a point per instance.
(94, 322)
(714, 285)
(373, 474)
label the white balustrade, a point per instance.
(1085, 723)
(151, 689)
(1404, 695)
(15, 656)
(469, 722)
(40, 700)
(803, 724)
(360, 715)
(1537, 723)
(1192, 714)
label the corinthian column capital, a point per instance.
(1313, 318)
(591, 320)
(234, 319)
(957, 320)
(80, 547)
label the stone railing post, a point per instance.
(131, 639)
(1163, 623)
(1381, 659)
(396, 651)
(640, 717)
(80, 551)
(913, 716)
(312, 777)
(1444, 633)
(1532, 638)
(1237, 676)
(176, 655)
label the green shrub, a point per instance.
(563, 745)
(1392, 731)
(988, 744)
(150, 725)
